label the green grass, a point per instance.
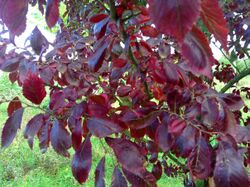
(22, 167)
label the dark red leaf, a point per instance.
(127, 154)
(33, 89)
(52, 12)
(95, 62)
(118, 179)
(174, 18)
(60, 139)
(97, 18)
(14, 105)
(13, 13)
(134, 120)
(229, 169)
(119, 62)
(99, 174)
(163, 138)
(213, 18)
(157, 170)
(123, 91)
(198, 53)
(10, 128)
(13, 76)
(102, 127)
(82, 161)
(149, 31)
(137, 133)
(38, 42)
(33, 127)
(200, 160)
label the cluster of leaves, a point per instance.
(141, 78)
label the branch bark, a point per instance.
(112, 9)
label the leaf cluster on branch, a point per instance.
(138, 74)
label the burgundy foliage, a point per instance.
(142, 76)
(33, 89)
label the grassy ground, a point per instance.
(22, 167)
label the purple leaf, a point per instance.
(243, 134)
(200, 160)
(118, 179)
(10, 128)
(52, 12)
(10, 64)
(147, 179)
(198, 53)
(127, 154)
(13, 13)
(163, 138)
(95, 61)
(60, 139)
(102, 127)
(38, 42)
(233, 102)
(79, 109)
(99, 174)
(186, 141)
(44, 136)
(209, 111)
(33, 127)
(82, 161)
(229, 169)
(77, 133)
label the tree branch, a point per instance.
(235, 80)
(112, 9)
